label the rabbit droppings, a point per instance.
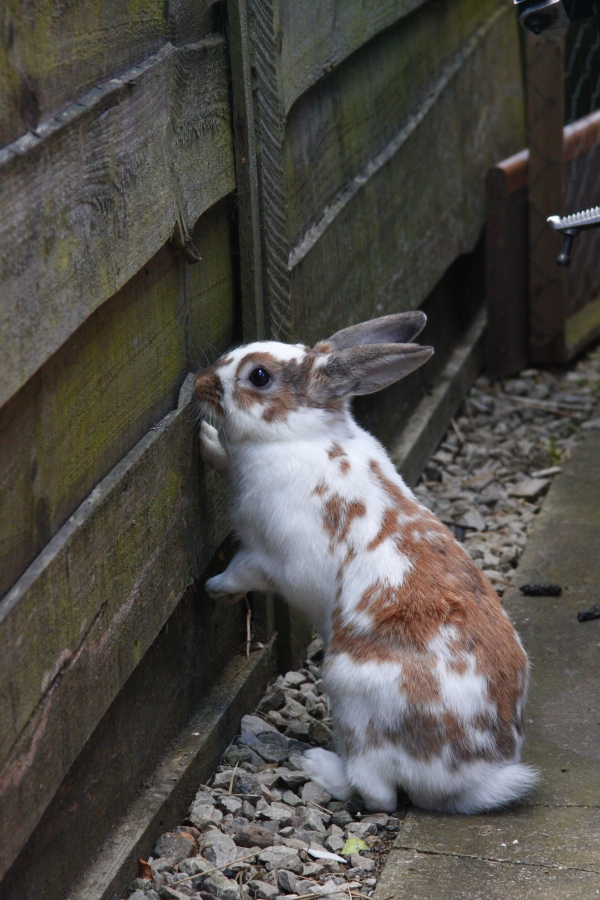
(426, 675)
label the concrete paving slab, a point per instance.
(528, 835)
(409, 875)
(558, 828)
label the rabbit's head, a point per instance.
(267, 390)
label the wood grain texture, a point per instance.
(81, 617)
(52, 51)
(94, 194)
(107, 385)
(276, 275)
(352, 114)
(316, 35)
(388, 237)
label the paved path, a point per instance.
(548, 847)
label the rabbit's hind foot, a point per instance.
(328, 770)
(378, 793)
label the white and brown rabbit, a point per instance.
(426, 675)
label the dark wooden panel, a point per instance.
(388, 238)
(52, 51)
(96, 194)
(507, 267)
(452, 308)
(350, 115)
(79, 620)
(98, 395)
(545, 118)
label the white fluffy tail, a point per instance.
(499, 786)
(327, 769)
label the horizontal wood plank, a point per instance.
(352, 114)
(51, 51)
(389, 236)
(87, 406)
(93, 194)
(316, 35)
(81, 617)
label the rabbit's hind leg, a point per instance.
(368, 778)
(328, 770)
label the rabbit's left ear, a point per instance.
(399, 328)
(366, 369)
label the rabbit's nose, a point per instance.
(208, 389)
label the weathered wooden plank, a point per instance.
(78, 621)
(388, 237)
(167, 795)
(96, 192)
(352, 114)
(316, 36)
(102, 390)
(51, 51)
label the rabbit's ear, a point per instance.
(364, 370)
(400, 328)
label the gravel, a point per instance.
(260, 829)
(497, 461)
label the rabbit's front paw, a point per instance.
(212, 450)
(216, 588)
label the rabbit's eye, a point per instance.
(259, 377)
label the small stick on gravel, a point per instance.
(230, 791)
(248, 626)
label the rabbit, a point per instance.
(426, 676)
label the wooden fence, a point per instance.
(176, 177)
(538, 313)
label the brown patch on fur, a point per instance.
(338, 515)
(209, 389)
(388, 528)
(337, 452)
(443, 587)
(420, 681)
(320, 489)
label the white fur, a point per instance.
(276, 472)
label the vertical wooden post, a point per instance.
(246, 170)
(507, 261)
(545, 119)
(266, 38)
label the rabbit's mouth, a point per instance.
(209, 393)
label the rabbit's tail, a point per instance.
(499, 786)
(327, 770)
